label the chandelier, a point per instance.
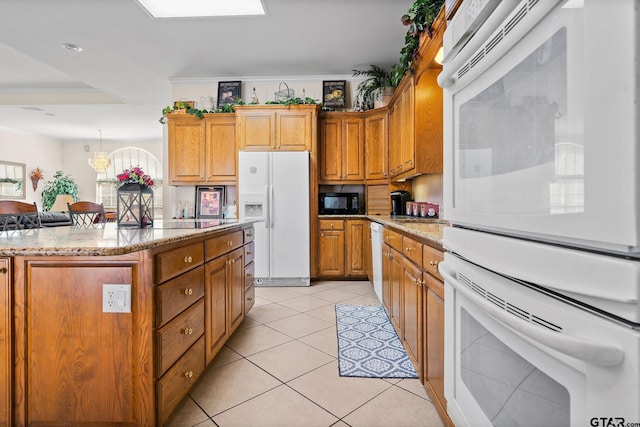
(100, 162)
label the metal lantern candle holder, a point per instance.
(135, 206)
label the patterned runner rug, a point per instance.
(368, 346)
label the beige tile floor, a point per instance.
(280, 369)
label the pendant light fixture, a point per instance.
(100, 162)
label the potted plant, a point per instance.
(60, 184)
(376, 87)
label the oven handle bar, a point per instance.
(587, 351)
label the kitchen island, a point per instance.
(112, 326)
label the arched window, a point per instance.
(126, 158)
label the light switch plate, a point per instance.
(116, 298)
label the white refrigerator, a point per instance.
(273, 188)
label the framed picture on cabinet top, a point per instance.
(334, 93)
(229, 92)
(209, 202)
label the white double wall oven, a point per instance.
(541, 185)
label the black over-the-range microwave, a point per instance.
(339, 204)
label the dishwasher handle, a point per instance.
(588, 351)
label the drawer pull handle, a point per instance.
(188, 374)
(188, 291)
(188, 331)
(249, 234)
(249, 275)
(433, 263)
(249, 299)
(229, 243)
(408, 249)
(3, 270)
(249, 253)
(188, 259)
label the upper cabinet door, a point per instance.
(186, 150)
(256, 129)
(353, 149)
(294, 130)
(376, 132)
(221, 151)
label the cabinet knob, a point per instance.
(229, 243)
(188, 259)
(408, 249)
(188, 291)
(331, 225)
(3, 270)
(433, 263)
(321, 234)
(249, 299)
(188, 331)
(188, 374)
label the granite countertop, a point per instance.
(108, 240)
(425, 228)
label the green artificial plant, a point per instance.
(60, 184)
(368, 90)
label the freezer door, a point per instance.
(253, 183)
(289, 214)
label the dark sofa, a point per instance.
(54, 219)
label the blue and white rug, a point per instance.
(368, 346)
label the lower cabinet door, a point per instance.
(332, 253)
(5, 343)
(178, 380)
(215, 309)
(412, 313)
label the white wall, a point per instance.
(36, 151)
(76, 160)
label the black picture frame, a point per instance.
(334, 93)
(229, 92)
(209, 202)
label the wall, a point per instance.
(428, 188)
(36, 151)
(76, 160)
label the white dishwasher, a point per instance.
(376, 257)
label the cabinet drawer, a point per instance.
(249, 275)
(393, 239)
(178, 380)
(177, 336)
(223, 244)
(249, 234)
(177, 294)
(176, 261)
(430, 260)
(249, 252)
(249, 298)
(412, 250)
(331, 224)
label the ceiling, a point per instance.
(121, 80)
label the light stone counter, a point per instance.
(108, 240)
(428, 229)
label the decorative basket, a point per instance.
(284, 95)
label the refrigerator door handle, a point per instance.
(271, 206)
(267, 214)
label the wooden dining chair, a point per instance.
(86, 213)
(15, 215)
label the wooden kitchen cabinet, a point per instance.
(202, 151)
(433, 350)
(341, 148)
(5, 342)
(356, 249)
(276, 127)
(376, 130)
(331, 248)
(224, 289)
(412, 309)
(342, 248)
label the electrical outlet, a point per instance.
(116, 298)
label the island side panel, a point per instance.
(75, 364)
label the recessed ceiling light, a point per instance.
(192, 8)
(71, 46)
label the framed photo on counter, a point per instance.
(209, 202)
(229, 92)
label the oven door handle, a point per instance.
(588, 351)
